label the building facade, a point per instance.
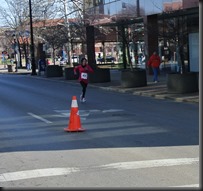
(108, 16)
(138, 16)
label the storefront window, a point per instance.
(170, 28)
(146, 7)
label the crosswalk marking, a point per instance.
(112, 110)
(27, 174)
(37, 173)
(66, 113)
(86, 113)
(187, 186)
(152, 163)
(39, 117)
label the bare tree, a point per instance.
(127, 30)
(15, 17)
(175, 32)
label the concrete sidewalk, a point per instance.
(156, 90)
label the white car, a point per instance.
(169, 66)
(141, 61)
(75, 59)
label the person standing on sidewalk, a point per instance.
(48, 62)
(83, 69)
(154, 62)
(28, 63)
(41, 66)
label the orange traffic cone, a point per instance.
(74, 121)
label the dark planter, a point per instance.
(69, 74)
(133, 78)
(10, 68)
(100, 75)
(182, 83)
(53, 71)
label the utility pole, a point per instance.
(32, 42)
(68, 30)
(138, 8)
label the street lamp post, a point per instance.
(32, 51)
(68, 31)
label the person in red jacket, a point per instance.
(83, 69)
(154, 62)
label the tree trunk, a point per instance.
(91, 47)
(124, 47)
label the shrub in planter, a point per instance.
(53, 71)
(69, 74)
(10, 67)
(100, 75)
(133, 78)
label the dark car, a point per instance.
(108, 59)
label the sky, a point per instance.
(2, 5)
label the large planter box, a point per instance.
(69, 74)
(54, 71)
(133, 78)
(10, 67)
(100, 75)
(182, 83)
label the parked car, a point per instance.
(141, 65)
(108, 59)
(141, 61)
(169, 67)
(62, 61)
(75, 59)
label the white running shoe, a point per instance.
(83, 100)
(81, 97)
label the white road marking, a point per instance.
(190, 185)
(94, 110)
(112, 110)
(151, 163)
(66, 113)
(40, 118)
(84, 113)
(27, 174)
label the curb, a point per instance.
(159, 94)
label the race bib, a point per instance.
(84, 76)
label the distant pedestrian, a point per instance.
(28, 63)
(83, 69)
(41, 66)
(4, 59)
(154, 62)
(48, 62)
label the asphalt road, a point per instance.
(129, 141)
